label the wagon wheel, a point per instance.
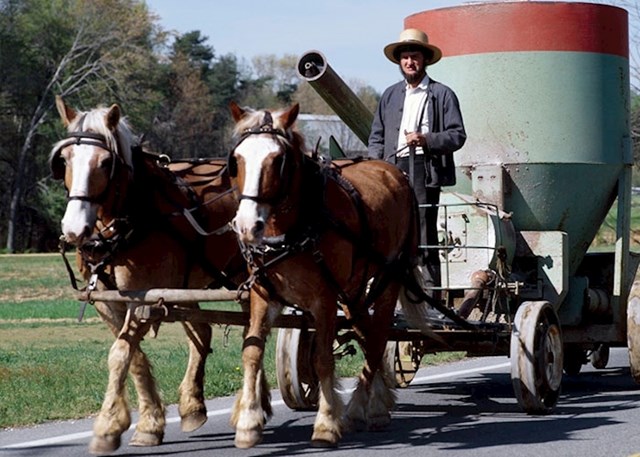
(296, 376)
(573, 359)
(402, 360)
(633, 337)
(599, 358)
(536, 357)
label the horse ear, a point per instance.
(237, 112)
(289, 117)
(67, 114)
(113, 117)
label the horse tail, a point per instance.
(415, 302)
(412, 298)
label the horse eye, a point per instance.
(278, 162)
(106, 163)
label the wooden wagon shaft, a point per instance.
(163, 305)
(155, 295)
(168, 313)
(160, 304)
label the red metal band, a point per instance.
(525, 26)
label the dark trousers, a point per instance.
(428, 217)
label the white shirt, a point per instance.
(415, 103)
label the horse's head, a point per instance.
(264, 165)
(94, 161)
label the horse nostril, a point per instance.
(258, 228)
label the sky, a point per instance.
(350, 33)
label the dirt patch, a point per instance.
(54, 335)
(40, 293)
(57, 332)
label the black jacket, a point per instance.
(446, 130)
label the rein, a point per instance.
(97, 268)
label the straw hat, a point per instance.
(413, 37)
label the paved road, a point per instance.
(462, 409)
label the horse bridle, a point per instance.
(80, 137)
(266, 127)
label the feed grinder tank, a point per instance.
(544, 92)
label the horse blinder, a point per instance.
(58, 165)
(232, 165)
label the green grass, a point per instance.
(59, 371)
(54, 367)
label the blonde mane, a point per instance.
(253, 120)
(94, 121)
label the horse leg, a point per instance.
(252, 407)
(373, 399)
(114, 417)
(327, 429)
(152, 421)
(193, 412)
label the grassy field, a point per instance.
(53, 367)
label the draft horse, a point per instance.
(132, 223)
(316, 236)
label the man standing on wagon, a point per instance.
(418, 126)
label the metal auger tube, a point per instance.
(313, 68)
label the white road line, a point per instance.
(222, 412)
(49, 441)
(453, 374)
(89, 434)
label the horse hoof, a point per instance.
(145, 439)
(323, 444)
(106, 444)
(324, 439)
(246, 439)
(192, 422)
(377, 424)
(352, 425)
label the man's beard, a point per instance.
(414, 78)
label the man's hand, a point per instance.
(415, 139)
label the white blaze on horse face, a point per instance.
(80, 215)
(250, 219)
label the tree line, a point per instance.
(173, 88)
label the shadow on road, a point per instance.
(476, 413)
